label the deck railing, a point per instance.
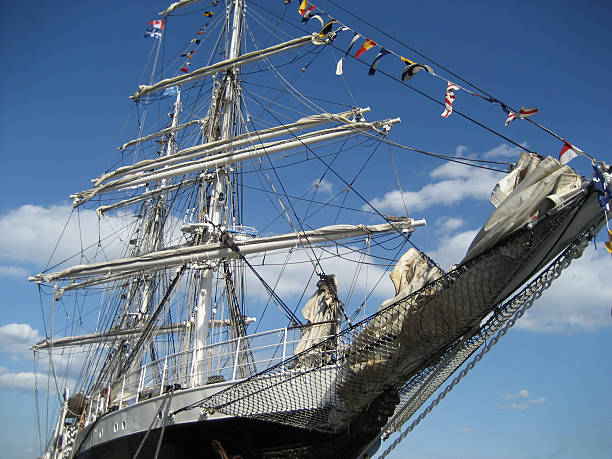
(231, 360)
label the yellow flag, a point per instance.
(303, 7)
(609, 244)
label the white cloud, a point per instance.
(452, 249)
(67, 369)
(456, 182)
(448, 224)
(17, 338)
(465, 430)
(504, 151)
(24, 380)
(323, 186)
(461, 149)
(523, 393)
(30, 234)
(579, 301)
(13, 271)
(299, 269)
(523, 406)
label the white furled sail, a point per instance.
(193, 254)
(226, 159)
(224, 66)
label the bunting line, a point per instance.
(413, 67)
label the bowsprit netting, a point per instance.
(395, 359)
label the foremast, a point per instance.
(137, 310)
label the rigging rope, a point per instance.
(489, 99)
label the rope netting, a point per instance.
(388, 365)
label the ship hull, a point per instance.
(248, 438)
(194, 432)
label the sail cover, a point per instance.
(531, 189)
(322, 308)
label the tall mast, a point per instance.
(150, 238)
(217, 202)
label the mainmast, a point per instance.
(226, 98)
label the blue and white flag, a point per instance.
(153, 33)
(171, 91)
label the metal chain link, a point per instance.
(543, 282)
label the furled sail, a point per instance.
(198, 253)
(211, 148)
(533, 187)
(226, 65)
(225, 159)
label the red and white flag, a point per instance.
(158, 24)
(450, 98)
(569, 152)
(523, 113)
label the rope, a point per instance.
(164, 423)
(227, 240)
(164, 405)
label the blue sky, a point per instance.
(543, 391)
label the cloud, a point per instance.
(452, 249)
(17, 338)
(504, 151)
(323, 186)
(465, 430)
(67, 368)
(523, 406)
(577, 302)
(461, 149)
(25, 380)
(448, 224)
(30, 234)
(13, 271)
(524, 393)
(299, 268)
(454, 183)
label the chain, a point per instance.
(537, 288)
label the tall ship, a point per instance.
(182, 342)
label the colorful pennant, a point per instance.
(303, 7)
(449, 99)
(158, 24)
(153, 33)
(511, 117)
(569, 152)
(366, 46)
(523, 113)
(374, 66)
(327, 29)
(412, 68)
